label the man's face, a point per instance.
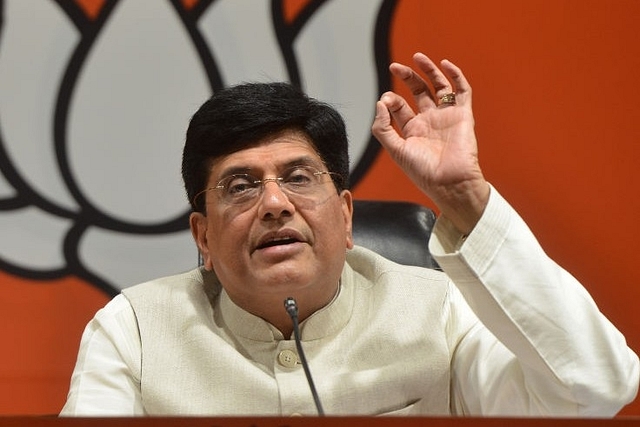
(277, 244)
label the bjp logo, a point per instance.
(95, 97)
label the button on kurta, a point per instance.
(288, 358)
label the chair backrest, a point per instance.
(398, 231)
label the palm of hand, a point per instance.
(437, 148)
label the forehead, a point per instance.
(272, 153)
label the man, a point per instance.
(504, 332)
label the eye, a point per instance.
(300, 176)
(238, 185)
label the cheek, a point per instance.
(227, 234)
(331, 235)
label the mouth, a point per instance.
(279, 239)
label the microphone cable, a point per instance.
(292, 308)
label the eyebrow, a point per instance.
(298, 161)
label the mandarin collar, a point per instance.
(325, 322)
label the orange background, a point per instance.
(556, 101)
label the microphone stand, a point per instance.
(292, 308)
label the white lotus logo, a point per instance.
(93, 114)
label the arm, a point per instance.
(543, 347)
(106, 379)
(555, 353)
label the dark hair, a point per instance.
(237, 117)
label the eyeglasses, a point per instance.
(295, 182)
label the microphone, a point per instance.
(292, 308)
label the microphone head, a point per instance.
(291, 306)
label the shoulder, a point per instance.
(117, 314)
(178, 283)
(384, 289)
(373, 269)
(196, 286)
(371, 264)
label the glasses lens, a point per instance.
(300, 179)
(239, 188)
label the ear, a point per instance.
(198, 224)
(347, 212)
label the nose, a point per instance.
(274, 203)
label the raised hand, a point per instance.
(435, 146)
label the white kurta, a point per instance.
(515, 335)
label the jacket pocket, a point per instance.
(409, 409)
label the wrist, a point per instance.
(464, 204)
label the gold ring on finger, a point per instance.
(448, 99)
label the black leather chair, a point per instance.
(398, 231)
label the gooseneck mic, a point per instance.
(292, 308)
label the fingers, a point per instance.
(416, 84)
(397, 107)
(461, 86)
(439, 81)
(427, 93)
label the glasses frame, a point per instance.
(260, 183)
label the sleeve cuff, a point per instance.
(448, 246)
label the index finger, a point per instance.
(415, 83)
(440, 82)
